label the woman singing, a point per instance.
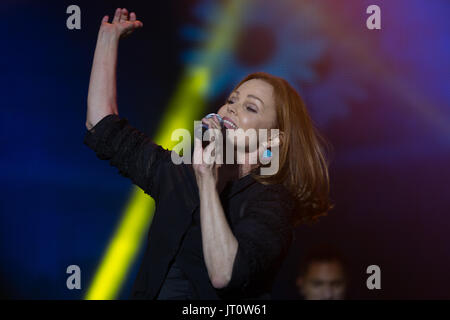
(219, 231)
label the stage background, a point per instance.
(381, 97)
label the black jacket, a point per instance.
(260, 217)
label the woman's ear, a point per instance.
(276, 140)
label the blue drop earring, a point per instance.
(267, 153)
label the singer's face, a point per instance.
(252, 105)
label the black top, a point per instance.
(176, 285)
(260, 217)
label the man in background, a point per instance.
(322, 274)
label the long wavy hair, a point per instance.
(303, 166)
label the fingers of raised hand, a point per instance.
(117, 15)
(123, 15)
(136, 23)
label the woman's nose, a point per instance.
(231, 109)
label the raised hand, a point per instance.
(102, 85)
(122, 24)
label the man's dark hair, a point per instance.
(322, 253)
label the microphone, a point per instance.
(202, 130)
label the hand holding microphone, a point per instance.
(205, 154)
(210, 121)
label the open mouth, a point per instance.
(227, 123)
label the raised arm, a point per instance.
(102, 86)
(145, 163)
